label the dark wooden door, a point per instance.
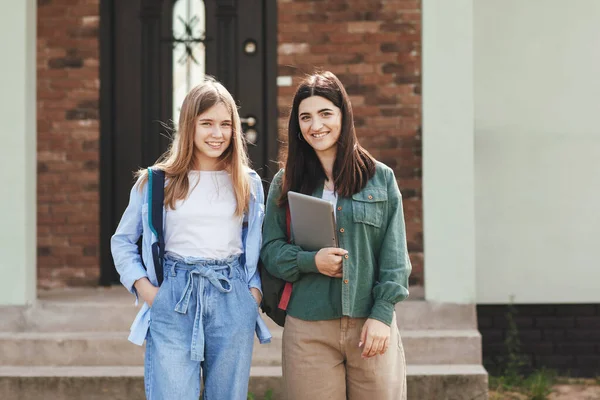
(238, 41)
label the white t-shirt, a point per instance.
(331, 196)
(205, 224)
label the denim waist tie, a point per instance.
(198, 275)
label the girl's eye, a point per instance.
(304, 118)
(226, 125)
(205, 124)
(326, 114)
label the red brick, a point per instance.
(361, 69)
(364, 26)
(293, 28)
(324, 49)
(84, 239)
(329, 27)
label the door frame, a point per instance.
(108, 219)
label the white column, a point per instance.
(18, 154)
(448, 162)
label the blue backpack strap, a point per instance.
(156, 193)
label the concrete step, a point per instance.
(452, 347)
(423, 315)
(74, 310)
(113, 309)
(64, 349)
(439, 382)
(112, 348)
(447, 382)
(94, 349)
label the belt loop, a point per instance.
(234, 264)
(173, 272)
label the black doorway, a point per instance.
(238, 41)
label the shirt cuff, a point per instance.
(251, 285)
(255, 282)
(383, 311)
(306, 262)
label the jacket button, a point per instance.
(370, 197)
(340, 208)
(346, 281)
(342, 230)
(346, 256)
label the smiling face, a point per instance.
(320, 123)
(213, 130)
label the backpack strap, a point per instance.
(287, 289)
(156, 193)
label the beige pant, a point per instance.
(322, 360)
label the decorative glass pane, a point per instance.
(189, 26)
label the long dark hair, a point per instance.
(353, 165)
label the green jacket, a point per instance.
(370, 227)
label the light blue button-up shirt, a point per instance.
(128, 260)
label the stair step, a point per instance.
(447, 382)
(135, 371)
(423, 315)
(452, 347)
(68, 348)
(112, 348)
(113, 309)
(425, 382)
(94, 349)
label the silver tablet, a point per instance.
(313, 222)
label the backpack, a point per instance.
(156, 193)
(276, 291)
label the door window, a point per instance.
(189, 27)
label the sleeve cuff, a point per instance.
(251, 285)
(255, 282)
(383, 311)
(306, 262)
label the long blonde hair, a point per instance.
(178, 160)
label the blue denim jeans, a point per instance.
(202, 318)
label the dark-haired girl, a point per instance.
(341, 339)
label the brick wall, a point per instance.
(374, 46)
(68, 137)
(563, 337)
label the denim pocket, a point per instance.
(368, 206)
(161, 289)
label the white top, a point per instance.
(205, 225)
(332, 197)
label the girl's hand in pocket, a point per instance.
(146, 290)
(256, 294)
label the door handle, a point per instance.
(251, 136)
(250, 133)
(250, 121)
